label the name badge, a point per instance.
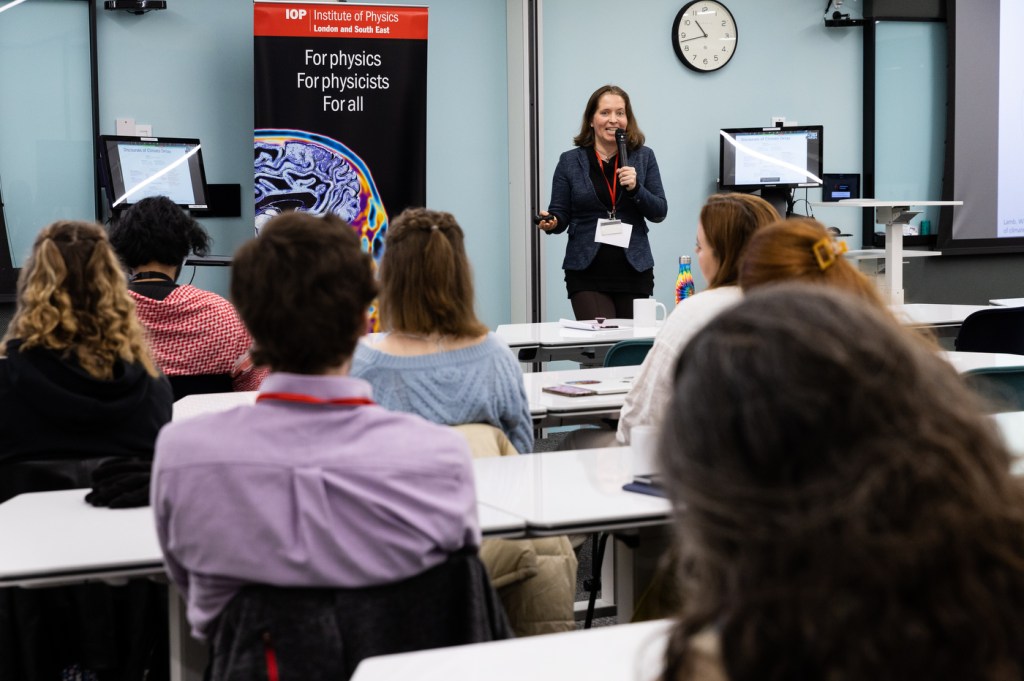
(613, 232)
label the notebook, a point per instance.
(609, 387)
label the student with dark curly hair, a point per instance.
(844, 508)
(192, 332)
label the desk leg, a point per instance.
(188, 656)
(635, 571)
(894, 263)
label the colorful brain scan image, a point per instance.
(297, 170)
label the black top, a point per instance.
(50, 408)
(155, 285)
(609, 272)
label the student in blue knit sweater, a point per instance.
(436, 358)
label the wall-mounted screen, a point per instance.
(985, 128)
(757, 158)
(133, 168)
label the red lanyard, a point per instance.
(309, 399)
(613, 187)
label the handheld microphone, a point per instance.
(620, 139)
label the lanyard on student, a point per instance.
(309, 399)
(613, 187)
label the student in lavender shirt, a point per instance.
(314, 485)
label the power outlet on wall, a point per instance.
(124, 126)
(143, 130)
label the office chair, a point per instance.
(999, 329)
(322, 634)
(628, 352)
(200, 384)
(1002, 387)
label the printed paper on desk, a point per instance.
(613, 233)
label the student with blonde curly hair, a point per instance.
(77, 389)
(76, 378)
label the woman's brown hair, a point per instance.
(585, 138)
(844, 508)
(73, 299)
(801, 249)
(426, 281)
(729, 221)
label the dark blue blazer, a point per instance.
(574, 201)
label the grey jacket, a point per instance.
(574, 201)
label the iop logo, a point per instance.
(295, 14)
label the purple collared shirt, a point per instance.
(314, 495)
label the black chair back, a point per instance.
(323, 634)
(1000, 329)
(200, 384)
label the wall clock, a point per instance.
(704, 35)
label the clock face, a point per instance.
(704, 35)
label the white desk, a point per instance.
(208, 403)
(54, 538)
(559, 410)
(935, 316)
(893, 214)
(549, 341)
(972, 361)
(1008, 302)
(628, 652)
(1011, 425)
(568, 492)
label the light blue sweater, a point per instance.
(479, 384)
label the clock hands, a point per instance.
(697, 37)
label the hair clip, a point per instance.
(433, 228)
(826, 250)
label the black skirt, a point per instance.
(610, 272)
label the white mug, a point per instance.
(644, 442)
(645, 312)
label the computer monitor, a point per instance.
(773, 160)
(134, 168)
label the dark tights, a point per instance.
(591, 304)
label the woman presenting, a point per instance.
(604, 202)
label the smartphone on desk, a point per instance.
(568, 390)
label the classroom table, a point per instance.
(550, 341)
(630, 652)
(208, 403)
(972, 361)
(559, 410)
(580, 492)
(56, 538)
(939, 317)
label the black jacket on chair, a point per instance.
(321, 634)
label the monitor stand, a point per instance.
(781, 199)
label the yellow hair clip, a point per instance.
(826, 251)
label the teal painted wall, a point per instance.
(786, 64)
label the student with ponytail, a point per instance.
(436, 358)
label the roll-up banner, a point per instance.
(340, 112)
